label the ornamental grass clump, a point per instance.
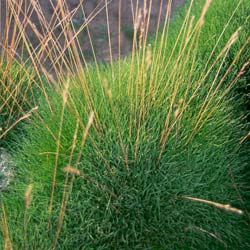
(143, 153)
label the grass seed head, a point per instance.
(28, 196)
(138, 20)
(71, 170)
(148, 57)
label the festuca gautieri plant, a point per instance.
(146, 152)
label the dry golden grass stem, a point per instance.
(170, 60)
(49, 45)
(211, 95)
(237, 189)
(195, 34)
(215, 236)
(163, 38)
(190, 57)
(10, 40)
(32, 56)
(75, 35)
(75, 172)
(213, 109)
(28, 196)
(74, 46)
(109, 36)
(84, 136)
(116, 120)
(247, 136)
(142, 71)
(74, 110)
(8, 55)
(71, 170)
(56, 51)
(203, 13)
(188, 44)
(221, 35)
(178, 75)
(227, 207)
(5, 230)
(27, 202)
(12, 95)
(55, 44)
(89, 97)
(66, 195)
(229, 87)
(91, 44)
(136, 14)
(77, 49)
(136, 88)
(62, 20)
(9, 95)
(64, 97)
(119, 43)
(6, 42)
(66, 190)
(207, 70)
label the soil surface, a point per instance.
(97, 26)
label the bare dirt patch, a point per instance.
(98, 28)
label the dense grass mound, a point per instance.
(117, 156)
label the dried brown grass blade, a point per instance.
(5, 230)
(227, 207)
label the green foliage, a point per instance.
(163, 128)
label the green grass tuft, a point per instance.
(113, 152)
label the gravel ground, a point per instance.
(5, 169)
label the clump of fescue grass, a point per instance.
(144, 153)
